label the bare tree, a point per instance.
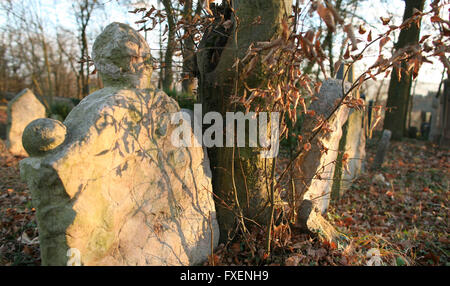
(83, 15)
(400, 85)
(39, 54)
(189, 57)
(171, 45)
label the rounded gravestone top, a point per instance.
(42, 135)
(122, 56)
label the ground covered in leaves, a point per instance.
(398, 215)
(19, 242)
(395, 216)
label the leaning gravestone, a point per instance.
(352, 145)
(316, 168)
(108, 185)
(22, 109)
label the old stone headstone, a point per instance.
(436, 119)
(383, 146)
(115, 190)
(445, 137)
(355, 147)
(352, 146)
(316, 168)
(22, 109)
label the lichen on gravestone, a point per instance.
(111, 185)
(22, 109)
(316, 168)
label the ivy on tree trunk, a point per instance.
(237, 172)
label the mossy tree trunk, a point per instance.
(218, 82)
(400, 89)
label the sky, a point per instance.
(60, 13)
(430, 74)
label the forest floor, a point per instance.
(395, 216)
(404, 221)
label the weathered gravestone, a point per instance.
(22, 109)
(316, 167)
(440, 117)
(355, 148)
(116, 191)
(383, 146)
(352, 147)
(445, 137)
(436, 118)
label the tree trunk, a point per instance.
(85, 9)
(168, 72)
(218, 81)
(188, 52)
(400, 89)
(84, 66)
(48, 71)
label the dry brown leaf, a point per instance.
(385, 20)
(327, 17)
(351, 35)
(369, 37)
(362, 30)
(383, 42)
